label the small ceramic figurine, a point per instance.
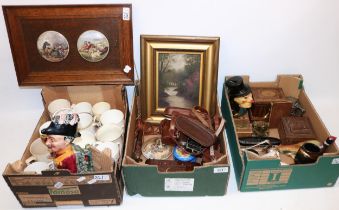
(58, 137)
(240, 96)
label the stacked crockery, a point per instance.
(99, 126)
(110, 134)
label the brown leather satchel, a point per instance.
(197, 112)
(168, 128)
(195, 130)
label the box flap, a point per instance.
(71, 44)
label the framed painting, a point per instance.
(179, 71)
(71, 44)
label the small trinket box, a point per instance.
(295, 129)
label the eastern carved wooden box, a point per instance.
(295, 129)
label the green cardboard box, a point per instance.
(269, 174)
(146, 180)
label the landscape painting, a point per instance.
(178, 79)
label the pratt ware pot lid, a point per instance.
(71, 44)
(52, 46)
(93, 46)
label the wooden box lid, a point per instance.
(295, 129)
(49, 46)
(268, 94)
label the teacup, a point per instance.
(113, 116)
(37, 167)
(109, 132)
(86, 119)
(100, 108)
(86, 138)
(39, 152)
(115, 148)
(82, 107)
(58, 104)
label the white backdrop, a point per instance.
(260, 38)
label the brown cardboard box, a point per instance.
(210, 179)
(255, 174)
(76, 79)
(104, 186)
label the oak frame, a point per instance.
(26, 23)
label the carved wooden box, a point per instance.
(295, 129)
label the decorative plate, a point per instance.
(93, 46)
(53, 46)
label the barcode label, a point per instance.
(179, 184)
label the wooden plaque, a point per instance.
(26, 24)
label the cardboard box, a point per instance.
(196, 87)
(268, 174)
(76, 79)
(146, 180)
(104, 186)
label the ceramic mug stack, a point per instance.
(39, 152)
(110, 134)
(57, 105)
(99, 125)
(100, 108)
(40, 159)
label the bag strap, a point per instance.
(202, 116)
(136, 155)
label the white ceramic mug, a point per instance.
(86, 119)
(58, 104)
(113, 116)
(92, 128)
(109, 132)
(37, 167)
(86, 138)
(39, 152)
(82, 107)
(100, 108)
(113, 146)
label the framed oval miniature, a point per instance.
(52, 46)
(93, 46)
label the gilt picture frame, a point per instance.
(178, 71)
